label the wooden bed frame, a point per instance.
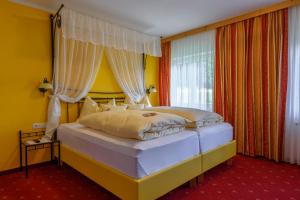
(152, 186)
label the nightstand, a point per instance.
(32, 140)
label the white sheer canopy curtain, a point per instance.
(75, 69)
(90, 29)
(79, 48)
(128, 70)
(192, 71)
(292, 120)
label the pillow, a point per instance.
(128, 100)
(111, 105)
(145, 100)
(112, 102)
(106, 107)
(136, 107)
(89, 107)
(118, 108)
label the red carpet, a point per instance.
(247, 179)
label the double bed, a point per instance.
(134, 169)
(134, 158)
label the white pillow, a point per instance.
(106, 107)
(128, 100)
(145, 100)
(112, 102)
(118, 108)
(89, 107)
(136, 107)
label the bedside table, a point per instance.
(32, 140)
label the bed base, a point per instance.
(149, 187)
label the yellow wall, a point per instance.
(151, 77)
(25, 59)
(105, 81)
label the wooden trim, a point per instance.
(262, 11)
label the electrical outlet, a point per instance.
(39, 125)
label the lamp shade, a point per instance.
(151, 89)
(45, 85)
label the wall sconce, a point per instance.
(151, 89)
(45, 86)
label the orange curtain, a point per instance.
(164, 74)
(251, 82)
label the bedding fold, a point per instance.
(135, 124)
(198, 118)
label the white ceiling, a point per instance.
(156, 17)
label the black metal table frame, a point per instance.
(30, 147)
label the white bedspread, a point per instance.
(132, 157)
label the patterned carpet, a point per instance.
(248, 178)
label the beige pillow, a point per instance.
(136, 107)
(128, 100)
(106, 107)
(89, 107)
(118, 108)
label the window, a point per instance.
(192, 71)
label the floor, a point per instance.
(247, 178)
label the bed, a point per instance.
(211, 138)
(134, 158)
(153, 167)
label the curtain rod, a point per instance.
(58, 11)
(55, 20)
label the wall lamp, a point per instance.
(151, 89)
(45, 86)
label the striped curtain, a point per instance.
(251, 82)
(164, 74)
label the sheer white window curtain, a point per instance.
(292, 121)
(192, 71)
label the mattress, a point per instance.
(134, 158)
(211, 137)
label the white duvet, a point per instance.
(199, 118)
(135, 124)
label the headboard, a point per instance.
(99, 97)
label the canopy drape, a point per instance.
(75, 68)
(79, 45)
(85, 28)
(128, 70)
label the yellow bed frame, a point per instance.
(149, 187)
